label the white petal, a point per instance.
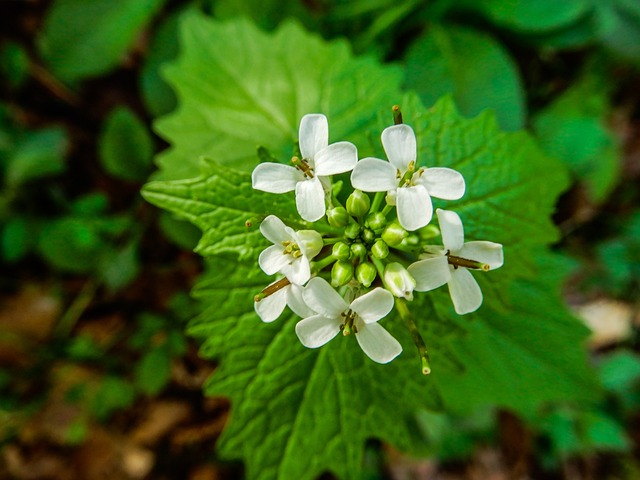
(465, 291)
(374, 175)
(443, 183)
(399, 144)
(374, 305)
(275, 177)
(430, 273)
(451, 229)
(298, 271)
(296, 302)
(270, 308)
(310, 199)
(273, 259)
(317, 330)
(377, 343)
(275, 230)
(337, 158)
(313, 134)
(485, 252)
(310, 242)
(322, 298)
(391, 197)
(414, 207)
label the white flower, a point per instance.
(409, 190)
(290, 252)
(319, 159)
(450, 264)
(333, 312)
(271, 307)
(398, 280)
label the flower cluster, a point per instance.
(371, 254)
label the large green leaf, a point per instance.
(516, 352)
(221, 205)
(471, 66)
(298, 412)
(239, 87)
(82, 38)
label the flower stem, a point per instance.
(377, 201)
(321, 264)
(331, 241)
(379, 267)
(387, 208)
(397, 115)
(406, 315)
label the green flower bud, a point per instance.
(352, 231)
(338, 217)
(380, 249)
(358, 203)
(366, 273)
(341, 251)
(368, 236)
(341, 273)
(399, 281)
(358, 250)
(429, 232)
(394, 234)
(376, 221)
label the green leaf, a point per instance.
(14, 63)
(180, 232)
(516, 350)
(620, 371)
(520, 349)
(531, 15)
(38, 154)
(153, 371)
(220, 204)
(266, 14)
(605, 433)
(156, 93)
(83, 38)
(119, 267)
(470, 65)
(620, 27)
(113, 394)
(71, 244)
(16, 239)
(227, 108)
(573, 129)
(125, 146)
(288, 399)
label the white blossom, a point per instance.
(408, 189)
(291, 251)
(451, 264)
(398, 280)
(271, 307)
(332, 312)
(319, 160)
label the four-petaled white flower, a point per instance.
(290, 252)
(271, 307)
(319, 160)
(450, 264)
(333, 312)
(409, 190)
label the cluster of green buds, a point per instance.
(362, 257)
